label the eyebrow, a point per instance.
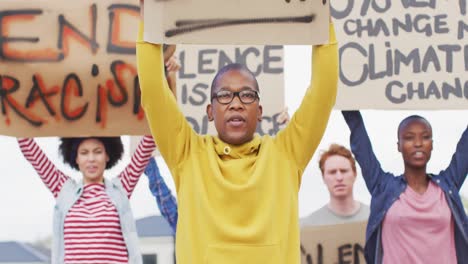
(94, 149)
(414, 133)
(242, 89)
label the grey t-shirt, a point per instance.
(325, 216)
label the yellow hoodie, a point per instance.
(237, 204)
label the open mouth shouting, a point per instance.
(236, 121)
(92, 169)
(419, 154)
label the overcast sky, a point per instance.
(26, 204)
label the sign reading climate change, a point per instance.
(68, 68)
(402, 54)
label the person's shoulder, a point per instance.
(364, 211)
(364, 206)
(318, 217)
(267, 139)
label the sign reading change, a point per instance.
(237, 22)
(403, 54)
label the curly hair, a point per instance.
(69, 147)
(338, 150)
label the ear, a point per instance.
(209, 112)
(398, 146)
(259, 113)
(355, 177)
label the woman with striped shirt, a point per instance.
(93, 222)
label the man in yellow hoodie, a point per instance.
(237, 191)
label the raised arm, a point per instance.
(49, 174)
(362, 150)
(140, 158)
(302, 135)
(172, 66)
(458, 167)
(167, 203)
(171, 131)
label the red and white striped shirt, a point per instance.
(92, 232)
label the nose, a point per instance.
(418, 141)
(339, 176)
(236, 103)
(91, 157)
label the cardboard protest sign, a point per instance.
(199, 64)
(402, 54)
(237, 22)
(67, 68)
(341, 243)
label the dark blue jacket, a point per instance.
(167, 203)
(386, 188)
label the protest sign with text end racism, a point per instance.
(260, 22)
(341, 243)
(402, 54)
(69, 69)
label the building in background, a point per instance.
(156, 245)
(12, 252)
(156, 240)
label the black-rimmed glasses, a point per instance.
(245, 96)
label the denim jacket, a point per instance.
(386, 188)
(70, 193)
(167, 203)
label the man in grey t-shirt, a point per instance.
(338, 169)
